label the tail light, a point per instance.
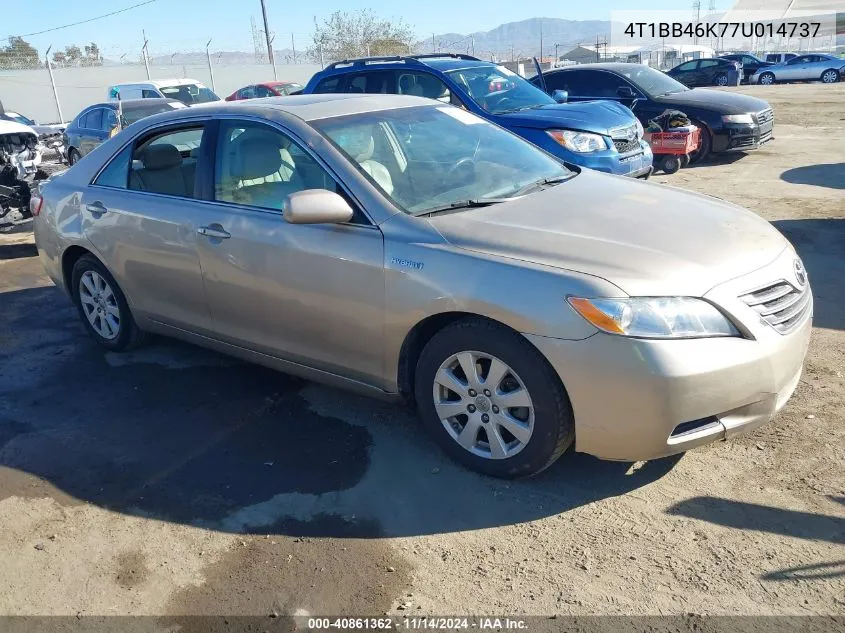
(35, 203)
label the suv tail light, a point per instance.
(35, 204)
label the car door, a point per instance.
(140, 214)
(687, 73)
(794, 70)
(91, 135)
(312, 294)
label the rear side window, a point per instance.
(81, 120)
(709, 63)
(149, 94)
(329, 84)
(109, 120)
(686, 67)
(116, 173)
(167, 163)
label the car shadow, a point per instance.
(180, 434)
(831, 175)
(821, 245)
(728, 158)
(760, 518)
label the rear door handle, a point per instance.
(97, 208)
(215, 230)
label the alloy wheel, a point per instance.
(483, 405)
(830, 76)
(99, 304)
(722, 80)
(767, 79)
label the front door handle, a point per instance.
(215, 230)
(97, 208)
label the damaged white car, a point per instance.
(19, 147)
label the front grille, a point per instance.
(781, 305)
(764, 116)
(626, 139)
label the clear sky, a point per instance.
(183, 25)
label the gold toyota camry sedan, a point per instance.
(405, 248)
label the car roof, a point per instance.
(308, 107)
(130, 104)
(158, 83)
(442, 63)
(611, 66)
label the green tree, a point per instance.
(92, 55)
(18, 54)
(344, 35)
(73, 54)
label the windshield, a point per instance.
(189, 94)
(132, 115)
(498, 90)
(652, 82)
(403, 153)
(19, 118)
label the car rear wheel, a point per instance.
(830, 76)
(73, 157)
(491, 400)
(721, 79)
(767, 79)
(103, 307)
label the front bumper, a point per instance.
(637, 399)
(637, 164)
(743, 137)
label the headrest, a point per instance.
(256, 158)
(357, 141)
(162, 156)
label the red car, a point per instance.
(266, 89)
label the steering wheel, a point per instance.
(465, 164)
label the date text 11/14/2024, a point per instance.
(419, 623)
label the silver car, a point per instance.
(813, 67)
(406, 248)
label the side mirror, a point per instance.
(626, 92)
(561, 96)
(316, 206)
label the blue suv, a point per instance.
(601, 135)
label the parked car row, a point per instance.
(410, 246)
(726, 69)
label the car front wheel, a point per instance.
(73, 157)
(492, 401)
(103, 307)
(767, 79)
(721, 79)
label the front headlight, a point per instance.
(655, 317)
(737, 118)
(581, 142)
(640, 130)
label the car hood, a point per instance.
(716, 100)
(647, 239)
(598, 117)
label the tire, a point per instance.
(546, 423)
(830, 76)
(685, 160)
(73, 157)
(721, 79)
(105, 301)
(766, 79)
(670, 163)
(704, 147)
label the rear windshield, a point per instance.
(189, 93)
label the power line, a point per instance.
(99, 17)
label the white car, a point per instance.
(40, 129)
(19, 147)
(188, 91)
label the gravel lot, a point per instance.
(173, 481)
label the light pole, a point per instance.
(210, 69)
(145, 53)
(269, 39)
(53, 83)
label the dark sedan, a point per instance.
(706, 72)
(750, 64)
(729, 121)
(98, 122)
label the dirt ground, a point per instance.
(173, 481)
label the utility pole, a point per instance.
(472, 44)
(293, 46)
(512, 59)
(210, 69)
(269, 41)
(146, 54)
(556, 56)
(53, 83)
(320, 48)
(433, 44)
(272, 57)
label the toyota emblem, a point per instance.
(800, 273)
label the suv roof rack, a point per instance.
(412, 59)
